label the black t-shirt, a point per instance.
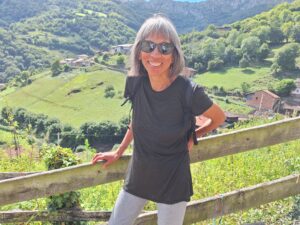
(159, 169)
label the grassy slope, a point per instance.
(49, 95)
(232, 78)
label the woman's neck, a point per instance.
(159, 83)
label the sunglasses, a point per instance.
(164, 48)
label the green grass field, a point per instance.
(232, 78)
(5, 137)
(52, 96)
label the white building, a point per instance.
(296, 93)
(2, 86)
(123, 49)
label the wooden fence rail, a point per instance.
(72, 178)
(196, 210)
(8, 175)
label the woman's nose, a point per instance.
(156, 52)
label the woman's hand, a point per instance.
(109, 157)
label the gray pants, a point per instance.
(128, 207)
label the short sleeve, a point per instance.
(200, 101)
(128, 87)
(131, 85)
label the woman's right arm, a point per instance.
(113, 156)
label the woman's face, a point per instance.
(156, 63)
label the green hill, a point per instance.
(74, 98)
(35, 33)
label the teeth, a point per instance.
(154, 64)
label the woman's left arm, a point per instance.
(215, 116)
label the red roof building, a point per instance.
(263, 100)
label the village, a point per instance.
(264, 102)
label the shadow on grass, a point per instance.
(248, 71)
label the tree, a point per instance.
(286, 57)
(296, 33)
(232, 38)
(232, 55)
(262, 32)
(105, 57)
(244, 62)
(245, 87)
(199, 67)
(11, 71)
(276, 35)
(120, 61)
(56, 68)
(287, 29)
(211, 31)
(285, 16)
(250, 46)
(284, 87)
(263, 51)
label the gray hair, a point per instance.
(157, 24)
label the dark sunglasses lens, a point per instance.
(148, 46)
(166, 48)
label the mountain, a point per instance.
(33, 33)
(189, 16)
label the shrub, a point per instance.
(215, 64)
(109, 91)
(55, 158)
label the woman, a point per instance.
(159, 169)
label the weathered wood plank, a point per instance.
(59, 181)
(4, 176)
(85, 175)
(246, 139)
(196, 211)
(57, 216)
(234, 201)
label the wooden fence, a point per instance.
(72, 178)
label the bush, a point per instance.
(55, 158)
(285, 59)
(215, 64)
(109, 91)
(263, 51)
(284, 87)
(120, 60)
(199, 67)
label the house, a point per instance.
(233, 118)
(296, 93)
(264, 100)
(83, 56)
(123, 49)
(225, 28)
(188, 72)
(79, 61)
(290, 108)
(2, 86)
(82, 62)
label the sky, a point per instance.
(190, 0)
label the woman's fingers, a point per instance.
(108, 157)
(98, 157)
